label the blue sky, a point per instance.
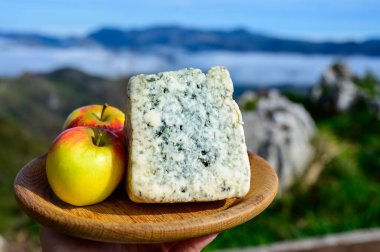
(323, 19)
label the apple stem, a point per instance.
(99, 137)
(105, 105)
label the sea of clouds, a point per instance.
(245, 68)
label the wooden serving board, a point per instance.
(117, 219)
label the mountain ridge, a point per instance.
(195, 40)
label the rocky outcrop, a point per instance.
(280, 131)
(336, 91)
(2, 243)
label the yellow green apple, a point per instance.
(101, 116)
(84, 165)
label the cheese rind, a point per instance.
(185, 137)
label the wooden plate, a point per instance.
(117, 219)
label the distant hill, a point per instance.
(239, 40)
(41, 102)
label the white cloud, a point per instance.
(245, 68)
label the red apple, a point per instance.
(84, 165)
(105, 117)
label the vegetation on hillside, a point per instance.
(41, 102)
(17, 147)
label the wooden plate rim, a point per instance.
(216, 222)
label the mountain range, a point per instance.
(195, 40)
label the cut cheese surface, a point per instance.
(185, 137)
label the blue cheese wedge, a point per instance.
(185, 137)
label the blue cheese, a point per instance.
(185, 137)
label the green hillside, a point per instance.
(42, 102)
(17, 147)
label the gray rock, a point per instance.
(2, 244)
(336, 91)
(280, 131)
